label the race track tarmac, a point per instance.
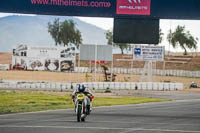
(182, 116)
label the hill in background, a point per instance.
(32, 30)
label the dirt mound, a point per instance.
(5, 58)
(172, 62)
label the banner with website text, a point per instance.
(150, 9)
(96, 8)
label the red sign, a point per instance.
(99, 62)
(134, 7)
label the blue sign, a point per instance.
(137, 51)
(148, 53)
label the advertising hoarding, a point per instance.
(103, 8)
(134, 7)
(45, 52)
(43, 58)
(148, 53)
(103, 52)
(158, 9)
(66, 65)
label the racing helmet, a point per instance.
(81, 88)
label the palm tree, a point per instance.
(182, 38)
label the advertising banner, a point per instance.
(104, 8)
(35, 64)
(66, 65)
(148, 53)
(134, 7)
(51, 64)
(44, 52)
(103, 52)
(152, 9)
(43, 58)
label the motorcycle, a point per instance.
(82, 107)
(194, 85)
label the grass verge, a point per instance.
(26, 101)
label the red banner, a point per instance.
(98, 62)
(134, 7)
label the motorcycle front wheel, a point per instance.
(79, 113)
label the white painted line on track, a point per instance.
(169, 130)
(70, 119)
(60, 127)
(101, 128)
(130, 130)
(129, 122)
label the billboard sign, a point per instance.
(153, 9)
(66, 65)
(148, 53)
(50, 52)
(44, 52)
(35, 64)
(134, 7)
(43, 58)
(104, 52)
(104, 8)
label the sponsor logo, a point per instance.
(134, 7)
(135, 1)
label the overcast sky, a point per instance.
(165, 25)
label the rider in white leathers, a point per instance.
(87, 92)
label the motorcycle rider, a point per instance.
(193, 85)
(82, 89)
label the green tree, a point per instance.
(70, 34)
(183, 39)
(122, 46)
(65, 33)
(54, 30)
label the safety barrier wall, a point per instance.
(157, 86)
(139, 71)
(135, 86)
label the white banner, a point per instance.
(148, 53)
(103, 52)
(45, 52)
(44, 58)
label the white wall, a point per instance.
(157, 86)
